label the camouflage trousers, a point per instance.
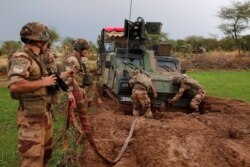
(34, 139)
(197, 99)
(141, 102)
(89, 91)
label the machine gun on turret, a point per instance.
(137, 31)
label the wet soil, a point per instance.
(220, 136)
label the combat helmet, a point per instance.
(34, 31)
(80, 44)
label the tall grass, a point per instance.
(227, 84)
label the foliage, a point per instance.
(54, 36)
(227, 44)
(93, 48)
(158, 38)
(216, 61)
(234, 20)
(67, 44)
(10, 47)
(245, 43)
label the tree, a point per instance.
(235, 19)
(10, 47)
(54, 36)
(92, 47)
(67, 44)
(158, 38)
(245, 43)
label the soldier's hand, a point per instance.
(67, 73)
(49, 80)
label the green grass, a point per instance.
(227, 84)
(8, 131)
(217, 83)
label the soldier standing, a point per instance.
(49, 60)
(77, 62)
(142, 86)
(28, 82)
(191, 88)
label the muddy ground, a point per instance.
(220, 137)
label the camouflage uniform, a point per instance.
(54, 95)
(74, 61)
(78, 62)
(33, 119)
(141, 85)
(191, 88)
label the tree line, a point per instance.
(234, 21)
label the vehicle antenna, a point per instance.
(130, 11)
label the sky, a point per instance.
(85, 19)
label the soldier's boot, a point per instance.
(149, 114)
(195, 107)
(136, 112)
(136, 108)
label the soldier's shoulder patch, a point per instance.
(19, 65)
(18, 69)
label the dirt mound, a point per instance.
(219, 137)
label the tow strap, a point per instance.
(83, 118)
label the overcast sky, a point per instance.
(85, 19)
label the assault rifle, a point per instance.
(59, 82)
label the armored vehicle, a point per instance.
(122, 50)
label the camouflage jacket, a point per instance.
(25, 65)
(188, 86)
(144, 80)
(75, 63)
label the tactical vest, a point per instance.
(194, 86)
(34, 103)
(37, 72)
(84, 78)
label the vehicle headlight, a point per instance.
(125, 84)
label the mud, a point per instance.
(218, 137)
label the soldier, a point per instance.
(77, 62)
(49, 60)
(28, 82)
(142, 87)
(191, 88)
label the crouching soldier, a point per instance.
(191, 88)
(142, 86)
